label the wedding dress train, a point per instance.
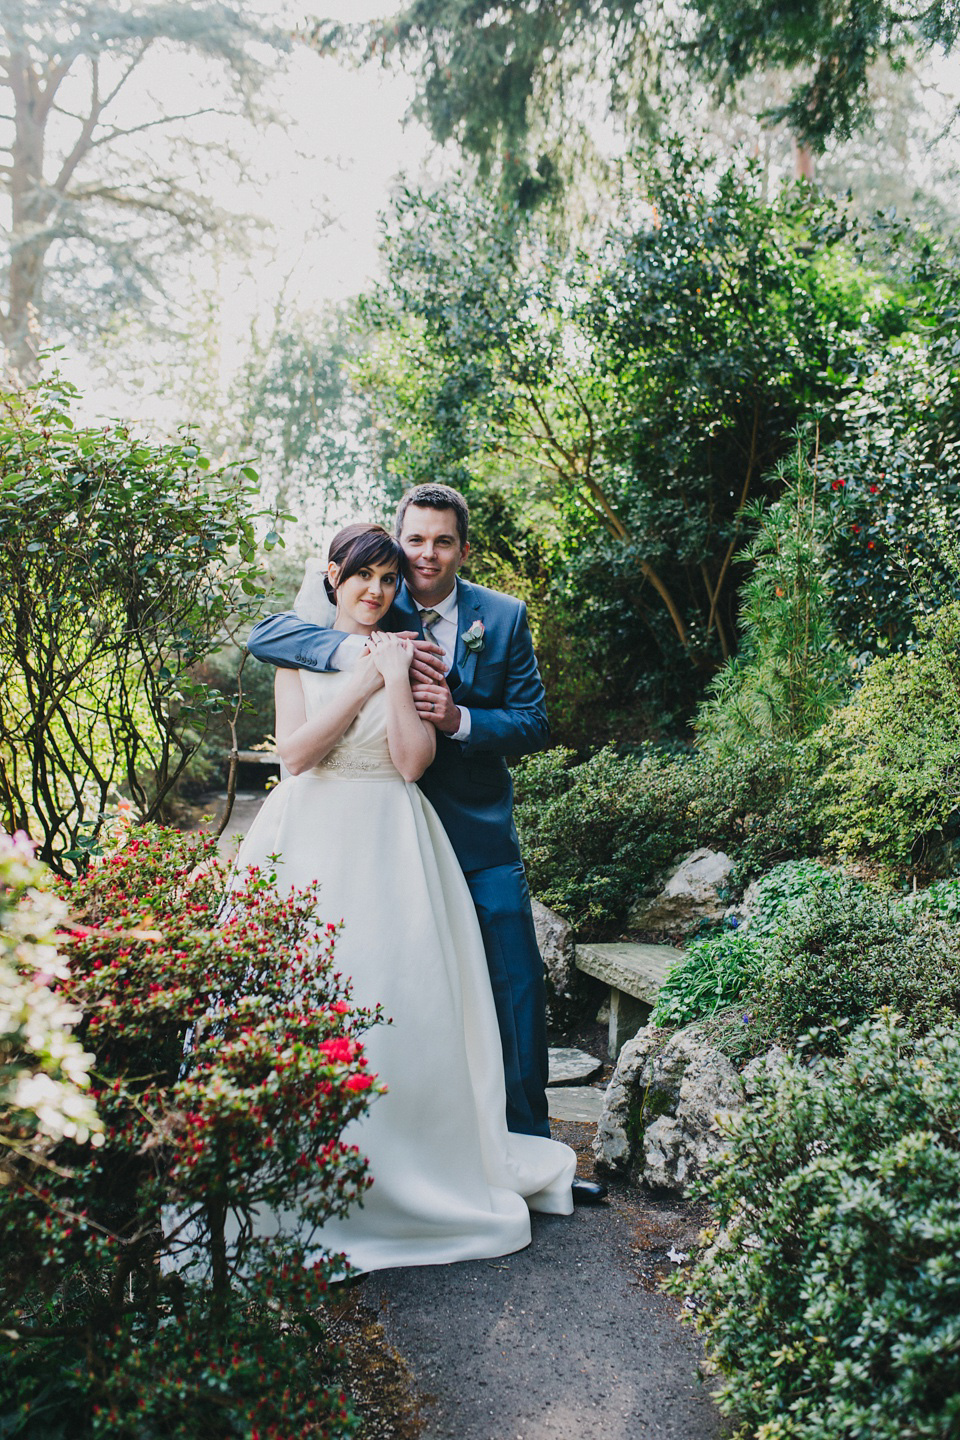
(449, 1181)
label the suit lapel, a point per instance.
(469, 610)
(404, 612)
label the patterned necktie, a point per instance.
(429, 618)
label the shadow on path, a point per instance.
(557, 1342)
(562, 1341)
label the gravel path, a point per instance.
(562, 1341)
(566, 1340)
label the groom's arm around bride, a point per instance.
(486, 700)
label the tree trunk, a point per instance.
(804, 162)
(31, 208)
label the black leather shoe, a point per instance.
(588, 1192)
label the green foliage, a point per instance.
(888, 785)
(840, 42)
(121, 565)
(496, 80)
(787, 677)
(302, 416)
(499, 80)
(717, 970)
(890, 481)
(594, 834)
(714, 973)
(139, 1297)
(94, 210)
(941, 898)
(829, 1301)
(847, 951)
(779, 894)
(639, 394)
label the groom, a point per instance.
(475, 678)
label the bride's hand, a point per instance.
(367, 674)
(391, 655)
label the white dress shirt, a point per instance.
(446, 631)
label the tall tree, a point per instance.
(508, 81)
(650, 388)
(87, 200)
(832, 46)
(505, 78)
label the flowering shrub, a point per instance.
(147, 1294)
(829, 1302)
(43, 1067)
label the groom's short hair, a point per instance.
(436, 497)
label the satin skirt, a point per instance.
(449, 1181)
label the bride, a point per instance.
(449, 1181)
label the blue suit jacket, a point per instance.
(468, 783)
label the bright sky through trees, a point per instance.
(314, 183)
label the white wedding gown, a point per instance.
(449, 1181)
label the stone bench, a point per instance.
(254, 767)
(634, 974)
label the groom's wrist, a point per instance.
(462, 731)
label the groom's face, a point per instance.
(431, 544)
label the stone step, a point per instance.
(579, 1103)
(569, 1066)
(634, 974)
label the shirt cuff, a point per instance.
(348, 652)
(465, 723)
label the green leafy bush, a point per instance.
(121, 564)
(595, 834)
(717, 970)
(848, 951)
(790, 672)
(941, 898)
(829, 1301)
(785, 890)
(714, 973)
(137, 1297)
(757, 803)
(889, 758)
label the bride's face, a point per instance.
(365, 597)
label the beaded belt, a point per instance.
(353, 766)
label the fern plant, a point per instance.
(788, 676)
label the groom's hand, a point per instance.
(427, 664)
(435, 703)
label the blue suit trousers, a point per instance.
(516, 973)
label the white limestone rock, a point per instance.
(762, 1067)
(691, 894)
(664, 1108)
(557, 949)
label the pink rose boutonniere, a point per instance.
(473, 638)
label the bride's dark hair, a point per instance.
(355, 546)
